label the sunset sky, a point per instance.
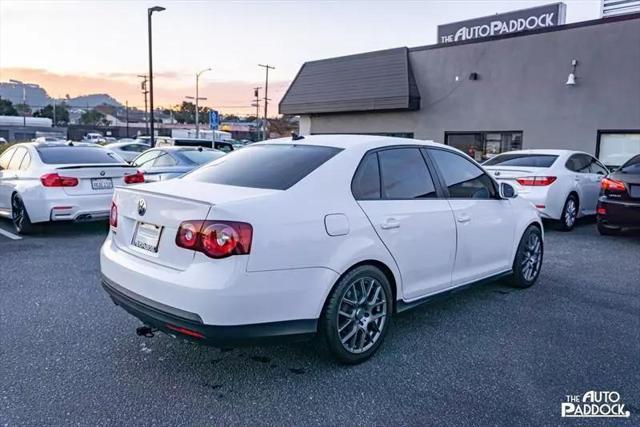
(82, 47)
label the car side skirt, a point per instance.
(402, 305)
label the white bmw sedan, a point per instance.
(42, 182)
(327, 235)
(563, 185)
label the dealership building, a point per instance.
(520, 80)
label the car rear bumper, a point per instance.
(189, 325)
(619, 213)
(68, 208)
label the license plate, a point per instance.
(147, 237)
(634, 191)
(101, 183)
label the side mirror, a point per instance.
(507, 191)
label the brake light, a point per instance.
(216, 239)
(55, 180)
(536, 181)
(113, 215)
(185, 331)
(609, 184)
(602, 211)
(136, 178)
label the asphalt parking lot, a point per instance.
(487, 355)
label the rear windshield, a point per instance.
(632, 165)
(275, 167)
(527, 160)
(200, 157)
(71, 155)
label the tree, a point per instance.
(7, 108)
(62, 113)
(231, 118)
(23, 109)
(186, 113)
(93, 117)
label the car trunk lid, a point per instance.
(95, 179)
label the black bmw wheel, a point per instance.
(528, 261)
(20, 217)
(357, 315)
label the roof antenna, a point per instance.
(296, 137)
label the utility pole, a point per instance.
(198, 98)
(127, 116)
(267, 67)
(143, 86)
(54, 112)
(149, 13)
(256, 103)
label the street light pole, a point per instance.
(267, 67)
(197, 99)
(149, 13)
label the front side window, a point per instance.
(366, 181)
(463, 179)
(405, 175)
(270, 166)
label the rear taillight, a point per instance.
(55, 180)
(136, 178)
(113, 215)
(609, 184)
(216, 239)
(536, 181)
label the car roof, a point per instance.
(183, 148)
(544, 151)
(365, 142)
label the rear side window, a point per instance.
(366, 181)
(6, 158)
(164, 160)
(405, 175)
(16, 160)
(276, 166)
(579, 163)
(463, 179)
(72, 155)
(199, 157)
(526, 160)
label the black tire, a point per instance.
(608, 231)
(569, 215)
(366, 316)
(527, 265)
(20, 216)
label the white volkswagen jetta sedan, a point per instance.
(563, 185)
(326, 235)
(42, 182)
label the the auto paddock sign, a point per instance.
(512, 22)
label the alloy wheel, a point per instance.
(532, 258)
(571, 212)
(18, 212)
(362, 315)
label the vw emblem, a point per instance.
(142, 207)
(496, 173)
(101, 173)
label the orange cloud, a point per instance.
(227, 96)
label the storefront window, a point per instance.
(616, 148)
(484, 145)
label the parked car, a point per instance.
(332, 235)
(158, 140)
(563, 185)
(160, 164)
(3, 141)
(42, 182)
(50, 139)
(193, 142)
(127, 150)
(95, 138)
(619, 204)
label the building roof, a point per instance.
(374, 81)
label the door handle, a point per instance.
(391, 223)
(464, 218)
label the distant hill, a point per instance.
(93, 100)
(36, 97)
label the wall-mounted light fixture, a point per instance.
(571, 80)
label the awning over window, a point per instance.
(374, 81)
